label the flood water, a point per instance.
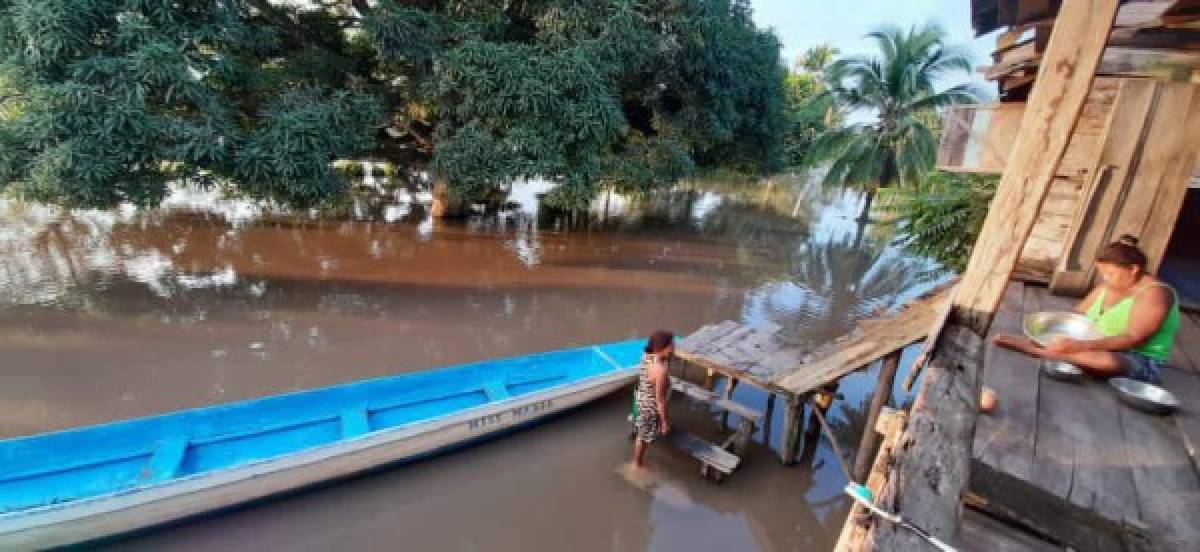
(107, 315)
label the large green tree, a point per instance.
(103, 101)
(898, 91)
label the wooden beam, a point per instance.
(931, 463)
(1160, 63)
(927, 483)
(889, 426)
(883, 392)
(1050, 115)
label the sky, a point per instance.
(800, 24)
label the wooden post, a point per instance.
(793, 414)
(767, 419)
(929, 476)
(883, 392)
(730, 384)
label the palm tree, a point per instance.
(816, 58)
(898, 89)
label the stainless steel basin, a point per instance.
(1041, 327)
(1062, 371)
(1144, 396)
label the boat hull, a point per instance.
(106, 515)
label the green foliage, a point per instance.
(899, 89)
(104, 101)
(942, 215)
(120, 96)
(817, 58)
(810, 113)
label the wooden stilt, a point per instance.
(883, 392)
(767, 419)
(727, 395)
(793, 415)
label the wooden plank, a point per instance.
(1163, 64)
(888, 426)
(1168, 159)
(1186, 386)
(1090, 229)
(1024, 504)
(1005, 438)
(866, 345)
(697, 393)
(931, 339)
(704, 337)
(1168, 493)
(880, 397)
(1186, 354)
(792, 416)
(929, 474)
(1142, 14)
(982, 532)
(704, 451)
(1078, 458)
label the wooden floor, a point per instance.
(1071, 461)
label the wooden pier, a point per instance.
(759, 357)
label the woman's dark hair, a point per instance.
(659, 340)
(1124, 252)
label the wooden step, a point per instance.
(703, 395)
(704, 451)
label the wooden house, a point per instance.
(1096, 134)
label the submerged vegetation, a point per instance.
(107, 101)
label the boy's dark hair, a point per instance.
(659, 340)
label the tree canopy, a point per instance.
(104, 101)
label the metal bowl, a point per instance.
(1062, 371)
(1041, 327)
(1144, 396)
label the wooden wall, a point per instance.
(979, 139)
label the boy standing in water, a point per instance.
(651, 419)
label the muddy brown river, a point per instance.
(107, 315)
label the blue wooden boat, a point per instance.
(81, 484)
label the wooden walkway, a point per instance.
(759, 356)
(1069, 462)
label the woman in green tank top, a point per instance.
(1137, 314)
